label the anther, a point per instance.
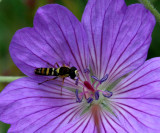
(77, 81)
(107, 94)
(86, 70)
(100, 80)
(104, 78)
(97, 95)
(77, 97)
(88, 86)
(95, 78)
(89, 100)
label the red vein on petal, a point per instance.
(32, 53)
(124, 117)
(103, 124)
(86, 61)
(81, 108)
(96, 68)
(87, 124)
(35, 89)
(102, 32)
(50, 107)
(76, 111)
(55, 51)
(135, 117)
(122, 92)
(55, 118)
(126, 46)
(32, 40)
(75, 124)
(114, 72)
(137, 72)
(32, 97)
(115, 121)
(77, 42)
(137, 79)
(120, 104)
(68, 43)
(115, 41)
(110, 124)
(82, 123)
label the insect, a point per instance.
(62, 72)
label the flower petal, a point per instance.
(30, 107)
(63, 30)
(57, 36)
(119, 36)
(107, 123)
(84, 124)
(29, 51)
(137, 98)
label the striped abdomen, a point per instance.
(46, 71)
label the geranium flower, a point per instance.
(118, 90)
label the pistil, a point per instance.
(88, 86)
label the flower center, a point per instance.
(91, 93)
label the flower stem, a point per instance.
(150, 7)
(8, 78)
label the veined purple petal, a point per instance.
(30, 107)
(137, 98)
(119, 36)
(107, 123)
(57, 36)
(62, 29)
(84, 124)
(142, 82)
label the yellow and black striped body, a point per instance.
(62, 72)
(46, 71)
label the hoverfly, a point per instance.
(62, 72)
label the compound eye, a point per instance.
(77, 73)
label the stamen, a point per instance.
(89, 100)
(104, 78)
(95, 78)
(100, 80)
(77, 97)
(107, 94)
(86, 70)
(77, 81)
(88, 86)
(96, 95)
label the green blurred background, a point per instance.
(16, 14)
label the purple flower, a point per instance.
(117, 92)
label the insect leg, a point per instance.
(49, 65)
(56, 64)
(48, 80)
(62, 85)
